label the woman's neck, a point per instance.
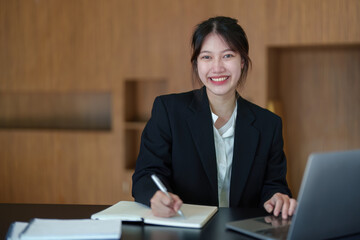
(223, 107)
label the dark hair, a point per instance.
(233, 34)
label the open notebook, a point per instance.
(195, 215)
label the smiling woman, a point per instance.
(210, 146)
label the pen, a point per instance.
(162, 188)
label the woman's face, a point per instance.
(219, 67)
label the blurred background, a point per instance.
(78, 79)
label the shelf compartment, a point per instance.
(139, 97)
(47, 110)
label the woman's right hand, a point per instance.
(163, 206)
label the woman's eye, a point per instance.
(205, 57)
(228, 55)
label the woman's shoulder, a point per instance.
(258, 111)
(181, 98)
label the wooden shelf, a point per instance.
(55, 110)
(139, 97)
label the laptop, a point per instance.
(328, 202)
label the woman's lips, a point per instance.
(219, 80)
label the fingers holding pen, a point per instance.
(165, 206)
(161, 205)
(177, 202)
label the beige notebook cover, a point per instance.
(195, 215)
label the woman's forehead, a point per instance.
(214, 41)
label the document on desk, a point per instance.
(15, 229)
(67, 229)
(195, 216)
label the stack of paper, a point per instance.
(65, 229)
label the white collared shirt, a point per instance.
(224, 146)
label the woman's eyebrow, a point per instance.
(226, 50)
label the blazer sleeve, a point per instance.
(275, 177)
(154, 155)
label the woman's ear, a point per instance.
(242, 63)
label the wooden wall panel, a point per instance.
(312, 22)
(59, 44)
(62, 47)
(94, 46)
(56, 167)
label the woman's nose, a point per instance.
(218, 65)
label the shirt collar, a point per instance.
(229, 131)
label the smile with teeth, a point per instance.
(219, 79)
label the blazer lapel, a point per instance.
(200, 124)
(245, 144)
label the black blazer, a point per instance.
(178, 145)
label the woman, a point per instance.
(210, 146)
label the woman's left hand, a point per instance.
(281, 203)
